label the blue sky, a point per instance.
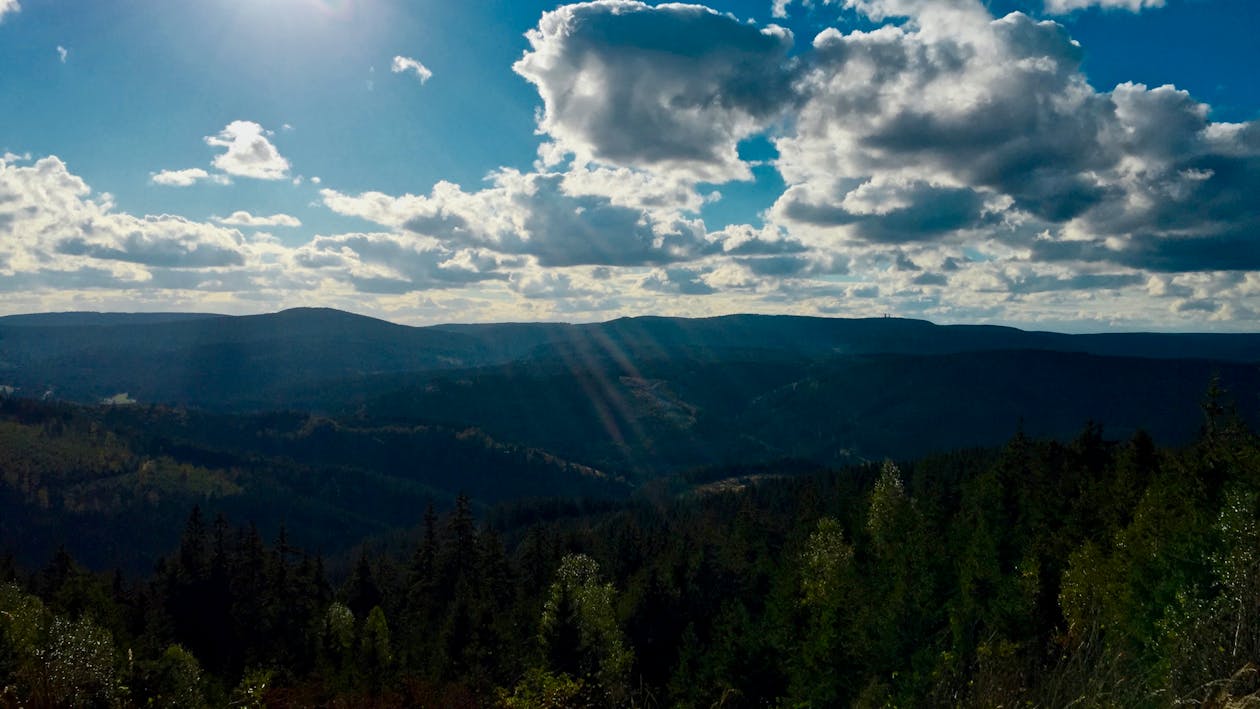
(1070, 164)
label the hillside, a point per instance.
(658, 416)
(463, 515)
(648, 396)
(111, 484)
(256, 362)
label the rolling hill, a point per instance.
(645, 396)
(253, 362)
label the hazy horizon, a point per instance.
(1065, 328)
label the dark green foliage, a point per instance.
(114, 485)
(1043, 573)
(631, 397)
(256, 362)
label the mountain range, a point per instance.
(345, 426)
(645, 395)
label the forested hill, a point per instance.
(255, 362)
(645, 512)
(1092, 572)
(642, 397)
(112, 484)
(657, 417)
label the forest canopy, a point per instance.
(1112, 571)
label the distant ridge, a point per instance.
(90, 318)
(257, 362)
(656, 336)
(474, 344)
(643, 395)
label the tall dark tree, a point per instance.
(361, 592)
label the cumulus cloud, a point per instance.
(168, 241)
(404, 64)
(57, 235)
(672, 87)
(1042, 283)
(249, 152)
(678, 281)
(397, 263)
(62, 52)
(877, 9)
(51, 222)
(639, 189)
(1063, 7)
(956, 126)
(535, 225)
(531, 214)
(537, 284)
(64, 246)
(998, 106)
(913, 211)
(242, 218)
(940, 162)
(975, 143)
(745, 240)
(186, 178)
(8, 6)
(1226, 251)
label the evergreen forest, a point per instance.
(1095, 571)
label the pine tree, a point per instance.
(361, 592)
(376, 656)
(579, 633)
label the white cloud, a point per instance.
(958, 127)
(677, 281)
(62, 53)
(556, 284)
(1063, 7)
(949, 165)
(186, 178)
(533, 214)
(161, 241)
(402, 64)
(54, 227)
(64, 247)
(880, 10)
(242, 218)
(672, 88)
(8, 6)
(385, 263)
(493, 255)
(249, 152)
(640, 189)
